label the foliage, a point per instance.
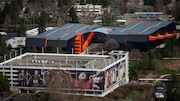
(57, 45)
(34, 49)
(176, 13)
(135, 95)
(165, 2)
(132, 73)
(28, 49)
(107, 19)
(73, 15)
(21, 30)
(4, 83)
(105, 3)
(42, 20)
(112, 44)
(61, 3)
(3, 47)
(157, 64)
(173, 88)
(150, 2)
(144, 61)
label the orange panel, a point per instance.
(159, 36)
(88, 40)
(45, 43)
(151, 38)
(78, 43)
(167, 35)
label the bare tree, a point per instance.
(112, 44)
(56, 82)
(159, 5)
(135, 54)
(157, 64)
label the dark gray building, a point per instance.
(141, 35)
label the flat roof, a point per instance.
(70, 30)
(66, 31)
(49, 60)
(141, 28)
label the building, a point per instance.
(77, 37)
(88, 10)
(16, 42)
(101, 74)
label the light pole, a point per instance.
(4, 57)
(10, 55)
(87, 50)
(15, 53)
(42, 49)
(20, 50)
(102, 51)
(72, 50)
(57, 49)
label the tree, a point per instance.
(73, 15)
(42, 20)
(173, 88)
(3, 47)
(157, 64)
(28, 49)
(14, 12)
(4, 83)
(105, 3)
(159, 6)
(144, 61)
(34, 49)
(135, 54)
(176, 13)
(165, 2)
(132, 74)
(107, 19)
(57, 46)
(112, 44)
(150, 2)
(57, 80)
(21, 30)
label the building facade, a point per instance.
(90, 75)
(88, 9)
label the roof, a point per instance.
(66, 32)
(70, 30)
(142, 28)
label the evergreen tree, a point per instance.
(14, 12)
(107, 19)
(132, 74)
(42, 20)
(173, 88)
(21, 30)
(105, 3)
(4, 83)
(150, 2)
(176, 13)
(73, 15)
(3, 47)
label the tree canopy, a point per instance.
(42, 20)
(112, 44)
(73, 15)
(107, 19)
(4, 83)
